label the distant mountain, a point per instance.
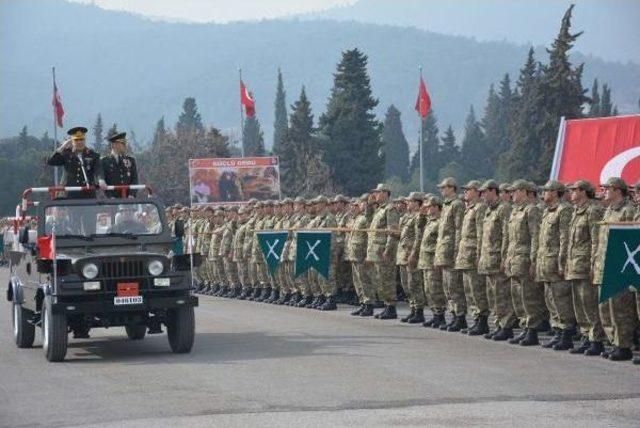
(134, 70)
(611, 27)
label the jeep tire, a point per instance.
(135, 331)
(23, 332)
(181, 329)
(54, 332)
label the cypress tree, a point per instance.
(98, 138)
(280, 124)
(396, 148)
(606, 108)
(190, 121)
(474, 153)
(431, 159)
(297, 146)
(449, 151)
(252, 137)
(595, 107)
(353, 148)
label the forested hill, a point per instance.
(133, 70)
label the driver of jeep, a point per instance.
(126, 221)
(59, 217)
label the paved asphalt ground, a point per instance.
(265, 365)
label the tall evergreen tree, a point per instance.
(561, 94)
(190, 121)
(252, 137)
(449, 150)
(354, 147)
(395, 146)
(112, 130)
(23, 137)
(606, 107)
(474, 149)
(498, 113)
(297, 146)
(160, 132)
(431, 159)
(98, 137)
(280, 124)
(595, 105)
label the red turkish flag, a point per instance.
(597, 149)
(423, 103)
(58, 110)
(246, 99)
(47, 247)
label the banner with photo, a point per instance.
(233, 180)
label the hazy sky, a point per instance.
(216, 10)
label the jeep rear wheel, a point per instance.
(23, 332)
(181, 330)
(54, 332)
(136, 332)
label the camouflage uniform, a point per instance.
(381, 242)
(300, 283)
(247, 251)
(356, 252)
(226, 253)
(411, 226)
(432, 276)
(214, 255)
(582, 243)
(238, 256)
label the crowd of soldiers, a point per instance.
(513, 255)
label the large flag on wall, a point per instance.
(272, 244)
(622, 261)
(597, 149)
(313, 250)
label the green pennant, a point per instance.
(313, 250)
(621, 262)
(272, 244)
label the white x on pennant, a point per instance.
(311, 251)
(631, 258)
(271, 249)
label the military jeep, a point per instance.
(80, 264)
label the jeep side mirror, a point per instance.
(179, 228)
(23, 236)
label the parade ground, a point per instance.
(267, 365)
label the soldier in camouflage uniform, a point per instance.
(264, 278)
(312, 284)
(522, 252)
(381, 245)
(447, 252)
(432, 275)
(203, 245)
(237, 245)
(285, 278)
(411, 225)
(505, 193)
(356, 253)
(618, 314)
(475, 288)
(275, 280)
(493, 251)
(328, 286)
(214, 254)
(582, 243)
(551, 263)
(226, 252)
(250, 288)
(302, 296)
(342, 268)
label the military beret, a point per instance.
(554, 185)
(582, 185)
(521, 184)
(449, 181)
(416, 196)
(616, 183)
(381, 187)
(77, 132)
(433, 201)
(489, 184)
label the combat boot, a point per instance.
(284, 299)
(436, 321)
(468, 329)
(491, 334)
(389, 313)
(518, 338)
(367, 311)
(531, 338)
(408, 317)
(275, 295)
(636, 361)
(481, 327)
(566, 340)
(329, 304)
(582, 346)
(621, 354)
(320, 302)
(243, 295)
(357, 311)
(451, 323)
(503, 334)
(595, 348)
(417, 318)
(257, 291)
(293, 299)
(459, 323)
(378, 304)
(304, 301)
(266, 293)
(544, 326)
(556, 338)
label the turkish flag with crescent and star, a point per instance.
(597, 149)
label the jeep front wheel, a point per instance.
(23, 332)
(181, 328)
(54, 332)
(136, 332)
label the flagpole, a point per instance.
(421, 144)
(241, 118)
(55, 127)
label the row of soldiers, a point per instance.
(528, 257)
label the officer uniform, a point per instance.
(117, 169)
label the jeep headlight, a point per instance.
(155, 267)
(90, 270)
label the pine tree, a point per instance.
(280, 124)
(113, 130)
(395, 146)
(190, 121)
(252, 137)
(474, 150)
(354, 147)
(595, 107)
(23, 137)
(495, 123)
(98, 137)
(606, 108)
(449, 151)
(431, 159)
(561, 94)
(297, 146)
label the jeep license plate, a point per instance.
(127, 300)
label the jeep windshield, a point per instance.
(108, 219)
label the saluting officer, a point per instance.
(118, 168)
(80, 164)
